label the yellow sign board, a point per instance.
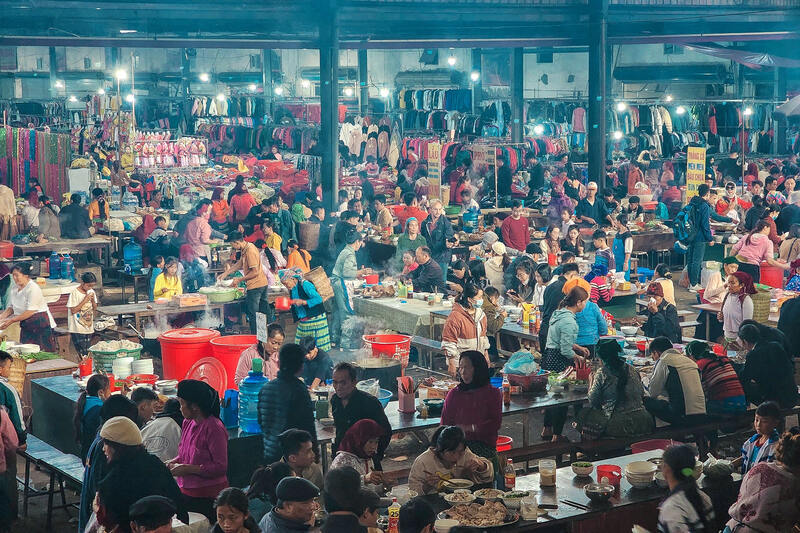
(695, 169)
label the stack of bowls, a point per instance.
(640, 474)
(142, 366)
(122, 367)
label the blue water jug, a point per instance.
(230, 409)
(132, 255)
(248, 398)
(470, 219)
(55, 266)
(67, 268)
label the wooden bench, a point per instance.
(426, 350)
(61, 466)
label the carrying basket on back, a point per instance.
(308, 235)
(319, 278)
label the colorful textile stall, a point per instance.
(27, 154)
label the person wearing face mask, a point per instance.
(448, 457)
(465, 328)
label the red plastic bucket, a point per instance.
(6, 249)
(180, 348)
(504, 443)
(772, 276)
(391, 346)
(227, 351)
(371, 279)
(609, 474)
(653, 444)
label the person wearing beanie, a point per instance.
(615, 398)
(97, 465)
(660, 318)
(133, 474)
(201, 465)
(294, 506)
(152, 514)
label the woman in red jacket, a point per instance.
(475, 406)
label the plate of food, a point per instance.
(459, 496)
(455, 484)
(489, 494)
(487, 515)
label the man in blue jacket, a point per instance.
(701, 214)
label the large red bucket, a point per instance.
(181, 348)
(390, 346)
(228, 349)
(772, 276)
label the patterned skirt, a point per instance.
(37, 330)
(553, 361)
(316, 327)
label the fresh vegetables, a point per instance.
(582, 464)
(515, 494)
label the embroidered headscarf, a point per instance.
(747, 284)
(357, 436)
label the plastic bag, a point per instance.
(521, 363)
(370, 386)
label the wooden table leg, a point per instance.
(26, 489)
(50, 491)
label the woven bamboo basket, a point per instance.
(761, 303)
(17, 377)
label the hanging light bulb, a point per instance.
(384, 92)
(680, 110)
(668, 98)
(129, 98)
(617, 135)
(305, 84)
(279, 90)
(101, 91)
(72, 98)
(204, 77)
(58, 84)
(538, 129)
(748, 111)
(621, 106)
(120, 74)
(348, 91)
(451, 60)
(475, 75)
(221, 97)
(252, 87)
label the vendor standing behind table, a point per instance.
(438, 231)
(308, 308)
(592, 211)
(409, 240)
(27, 306)
(74, 220)
(254, 278)
(516, 233)
(345, 269)
(241, 201)
(349, 405)
(81, 308)
(281, 221)
(199, 234)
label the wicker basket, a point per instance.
(319, 278)
(761, 304)
(17, 376)
(103, 361)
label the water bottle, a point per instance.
(394, 516)
(67, 268)
(55, 266)
(248, 398)
(132, 255)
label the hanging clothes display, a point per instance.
(26, 154)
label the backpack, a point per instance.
(684, 228)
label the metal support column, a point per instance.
(598, 95)
(517, 96)
(779, 95)
(477, 85)
(363, 82)
(186, 73)
(266, 77)
(329, 102)
(53, 71)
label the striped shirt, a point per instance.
(719, 379)
(752, 454)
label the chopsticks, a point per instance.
(406, 384)
(577, 505)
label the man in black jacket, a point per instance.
(350, 405)
(428, 276)
(768, 373)
(787, 323)
(342, 501)
(552, 297)
(662, 316)
(790, 214)
(74, 220)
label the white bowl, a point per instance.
(583, 470)
(460, 496)
(641, 468)
(629, 330)
(639, 483)
(444, 525)
(25, 349)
